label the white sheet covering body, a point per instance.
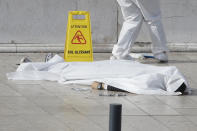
(131, 76)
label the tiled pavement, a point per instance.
(49, 106)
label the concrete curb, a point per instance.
(41, 48)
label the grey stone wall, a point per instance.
(28, 22)
(179, 18)
(44, 21)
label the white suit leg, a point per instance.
(152, 15)
(130, 29)
(159, 42)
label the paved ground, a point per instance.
(49, 106)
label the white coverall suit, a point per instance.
(134, 13)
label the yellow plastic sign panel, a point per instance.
(78, 45)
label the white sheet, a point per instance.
(131, 76)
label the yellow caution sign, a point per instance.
(78, 45)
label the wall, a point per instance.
(38, 25)
(179, 18)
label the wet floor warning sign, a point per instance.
(78, 38)
(78, 46)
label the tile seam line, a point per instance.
(149, 114)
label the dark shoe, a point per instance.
(182, 88)
(100, 86)
(111, 88)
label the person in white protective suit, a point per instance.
(134, 13)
